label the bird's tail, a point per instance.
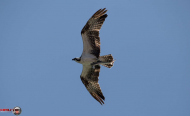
(107, 60)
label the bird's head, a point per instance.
(76, 59)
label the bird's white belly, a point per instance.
(87, 60)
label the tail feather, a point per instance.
(108, 59)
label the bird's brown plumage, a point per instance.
(91, 49)
(90, 33)
(89, 78)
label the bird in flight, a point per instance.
(90, 58)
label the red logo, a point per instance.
(16, 110)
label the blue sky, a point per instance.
(150, 41)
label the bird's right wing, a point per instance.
(89, 78)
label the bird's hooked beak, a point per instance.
(73, 59)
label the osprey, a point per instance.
(90, 58)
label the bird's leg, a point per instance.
(94, 63)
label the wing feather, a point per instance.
(90, 33)
(89, 78)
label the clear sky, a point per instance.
(150, 41)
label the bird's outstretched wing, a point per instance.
(90, 33)
(89, 78)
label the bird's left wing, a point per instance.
(90, 33)
(89, 78)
